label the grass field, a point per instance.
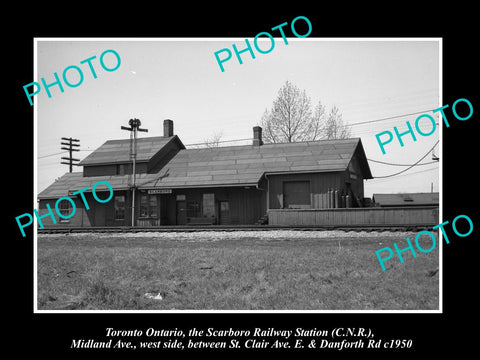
(232, 271)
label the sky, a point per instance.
(389, 80)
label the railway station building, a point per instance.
(232, 185)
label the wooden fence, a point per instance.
(368, 216)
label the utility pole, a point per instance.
(70, 149)
(435, 157)
(134, 127)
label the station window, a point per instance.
(193, 209)
(120, 207)
(148, 206)
(152, 202)
(65, 208)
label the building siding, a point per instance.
(246, 206)
(320, 183)
(81, 218)
(111, 169)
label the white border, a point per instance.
(35, 184)
(34, 224)
(440, 189)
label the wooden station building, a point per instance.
(221, 185)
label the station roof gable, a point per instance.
(118, 151)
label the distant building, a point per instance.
(223, 185)
(406, 199)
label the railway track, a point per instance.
(214, 228)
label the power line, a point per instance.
(388, 118)
(236, 140)
(392, 164)
(409, 174)
(45, 156)
(63, 152)
(223, 141)
(423, 157)
(352, 124)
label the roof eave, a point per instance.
(190, 186)
(303, 171)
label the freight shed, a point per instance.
(222, 185)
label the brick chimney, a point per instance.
(167, 128)
(257, 136)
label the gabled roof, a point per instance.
(118, 151)
(247, 164)
(406, 199)
(230, 166)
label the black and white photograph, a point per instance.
(245, 186)
(270, 185)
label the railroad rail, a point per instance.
(228, 228)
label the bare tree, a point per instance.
(316, 123)
(214, 140)
(291, 118)
(334, 127)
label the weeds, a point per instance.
(317, 274)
